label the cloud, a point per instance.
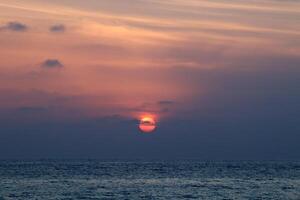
(58, 28)
(14, 26)
(52, 63)
(165, 102)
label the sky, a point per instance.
(221, 78)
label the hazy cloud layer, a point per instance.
(239, 110)
(28, 109)
(165, 102)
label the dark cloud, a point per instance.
(58, 28)
(52, 63)
(14, 26)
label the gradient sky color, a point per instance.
(220, 77)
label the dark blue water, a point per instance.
(149, 180)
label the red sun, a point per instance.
(147, 124)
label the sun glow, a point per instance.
(147, 124)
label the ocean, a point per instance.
(92, 179)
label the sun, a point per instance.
(147, 124)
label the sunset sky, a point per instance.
(220, 77)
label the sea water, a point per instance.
(91, 179)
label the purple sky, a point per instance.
(220, 77)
